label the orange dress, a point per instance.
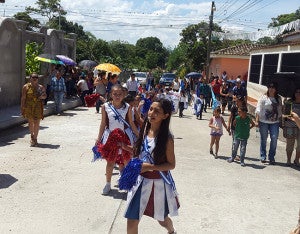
(34, 108)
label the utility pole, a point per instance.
(211, 18)
(3, 1)
(59, 24)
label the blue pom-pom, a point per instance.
(130, 174)
(97, 154)
(146, 106)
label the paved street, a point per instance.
(54, 188)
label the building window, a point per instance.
(255, 68)
(269, 68)
(290, 62)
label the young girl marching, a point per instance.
(154, 192)
(112, 135)
(216, 124)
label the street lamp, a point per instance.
(211, 17)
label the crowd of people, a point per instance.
(135, 123)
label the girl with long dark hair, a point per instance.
(154, 193)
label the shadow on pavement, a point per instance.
(12, 134)
(80, 109)
(6, 181)
(116, 194)
(48, 146)
(254, 166)
(68, 114)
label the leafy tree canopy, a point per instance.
(47, 8)
(285, 18)
(32, 23)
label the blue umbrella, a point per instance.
(194, 75)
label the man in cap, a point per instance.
(239, 90)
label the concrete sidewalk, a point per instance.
(11, 116)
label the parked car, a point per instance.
(141, 77)
(167, 79)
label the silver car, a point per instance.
(141, 77)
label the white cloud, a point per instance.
(129, 20)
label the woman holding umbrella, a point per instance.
(32, 108)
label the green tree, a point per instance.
(151, 45)
(32, 23)
(125, 53)
(47, 8)
(195, 39)
(285, 18)
(177, 59)
(32, 49)
(266, 41)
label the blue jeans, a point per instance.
(58, 99)
(264, 129)
(236, 143)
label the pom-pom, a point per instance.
(130, 174)
(146, 106)
(96, 153)
(111, 151)
(91, 99)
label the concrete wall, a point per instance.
(233, 66)
(11, 64)
(13, 40)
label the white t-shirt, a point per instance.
(176, 85)
(82, 85)
(95, 72)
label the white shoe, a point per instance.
(106, 189)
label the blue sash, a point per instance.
(167, 178)
(130, 134)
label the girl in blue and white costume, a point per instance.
(153, 195)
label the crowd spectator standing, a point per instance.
(268, 113)
(58, 88)
(204, 89)
(240, 90)
(83, 87)
(182, 103)
(32, 98)
(224, 76)
(176, 85)
(237, 102)
(230, 95)
(216, 85)
(224, 90)
(242, 123)
(216, 124)
(132, 85)
(112, 80)
(90, 82)
(291, 131)
(100, 84)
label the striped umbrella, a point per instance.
(49, 58)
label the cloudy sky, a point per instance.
(130, 20)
